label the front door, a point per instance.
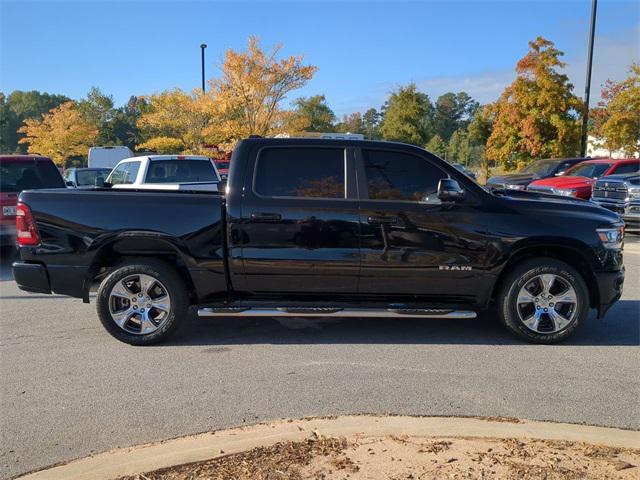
(413, 247)
(300, 225)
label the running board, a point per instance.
(333, 312)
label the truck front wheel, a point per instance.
(543, 300)
(142, 301)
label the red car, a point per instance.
(578, 181)
(223, 168)
(17, 173)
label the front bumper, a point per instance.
(610, 286)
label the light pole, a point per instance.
(202, 47)
(587, 85)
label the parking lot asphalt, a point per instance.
(68, 389)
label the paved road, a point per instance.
(69, 389)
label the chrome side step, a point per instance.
(334, 312)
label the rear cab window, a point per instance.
(180, 171)
(300, 172)
(18, 175)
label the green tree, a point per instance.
(20, 106)
(458, 148)
(408, 116)
(312, 114)
(437, 146)
(122, 128)
(98, 108)
(371, 124)
(452, 112)
(479, 130)
(536, 116)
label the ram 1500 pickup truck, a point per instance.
(315, 227)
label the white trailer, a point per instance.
(107, 157)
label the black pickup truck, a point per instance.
(313, 227)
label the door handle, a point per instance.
(266, 217)
(382, 220)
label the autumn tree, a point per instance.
(536, 116)
(175, 121)
(311, 114)
(616, 119)
(352, 123)
(437, 146)
(60, 134)
(19, 106)
(247, 96)
(408, 116)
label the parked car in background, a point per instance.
(546, 168)
(578, 181)
(107, 157)
(464, 170)
(620, 193)
(17, 173)
(85, 177)
(223, 168)
(165, 172)
(314, 227)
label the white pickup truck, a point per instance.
(165, 172)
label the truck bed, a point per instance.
(82, 229)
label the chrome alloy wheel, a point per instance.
(547, 304)
(139, 304)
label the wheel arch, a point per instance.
(574, 254)
(137, 246)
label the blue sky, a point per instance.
(363, 49)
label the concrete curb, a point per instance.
(144, 458)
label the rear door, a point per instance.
(299, 231)
(413, 247)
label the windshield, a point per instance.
(16, 176)
(181, 171)
(591, 170)
(88, 177)
(541, 168)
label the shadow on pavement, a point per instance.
(7, 256)
(620, 327)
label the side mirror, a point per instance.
(449, 190)
(559, 174)
(69, 183)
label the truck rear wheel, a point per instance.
(543, 300)
(143, 301)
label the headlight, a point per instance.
(514, 187)
(565, 192)
(634, 192)
(611, 237)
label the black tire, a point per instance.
(170, 281)
(521, 275)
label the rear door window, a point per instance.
(180, 171)
(627, 168)
(16, 176)
(301, 172)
